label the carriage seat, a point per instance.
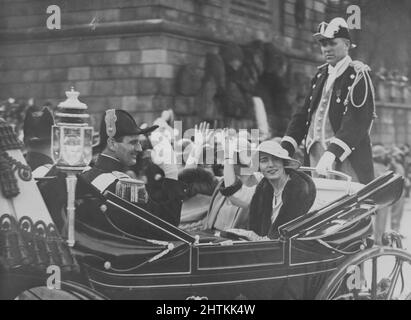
(97, 247)
(330, 190)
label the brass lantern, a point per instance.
(71, 145)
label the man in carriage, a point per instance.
(119, 146)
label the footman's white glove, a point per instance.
(326, 163)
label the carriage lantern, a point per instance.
(72, 139)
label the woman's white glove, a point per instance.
(326, 163)
(229, 145)
(163, 155)
(202, 136)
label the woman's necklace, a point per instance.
(280, 190)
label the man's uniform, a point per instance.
(39, 163)
(337, 117)
(162, 196)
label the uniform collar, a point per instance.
(108, 163)
(340, 67)
(337, 71)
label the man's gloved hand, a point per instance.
(326, 163)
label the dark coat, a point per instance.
(350, 124)
(198, 181)
(37, 159)
(165, 195)
(298, 197)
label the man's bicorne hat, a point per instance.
(118, 123)
(37, 126)
(337, 28)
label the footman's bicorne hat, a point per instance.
(118, 123)
(337, 28)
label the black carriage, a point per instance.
(310, 260)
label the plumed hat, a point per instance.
(337, 28)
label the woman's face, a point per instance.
(271, 167)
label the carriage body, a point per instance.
(210, 264)
(213, 265)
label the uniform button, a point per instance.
(309, 109)
(352, 76)
(307, 123)
(311, 98)
(314, 86)
(318, 75)
(349, 88)
(338, 100)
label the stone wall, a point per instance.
(126, 53)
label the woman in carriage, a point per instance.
(282, 194)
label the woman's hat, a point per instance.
(275, 149)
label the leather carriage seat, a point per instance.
(108, 246)
(330, 190)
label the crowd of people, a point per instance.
(398, 160)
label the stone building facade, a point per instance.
(128, 53)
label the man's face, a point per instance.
(126, 151)
(334, 50)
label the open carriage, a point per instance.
(310, 260)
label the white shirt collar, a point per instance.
(340, 67)
(338, 70)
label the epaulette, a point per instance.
(359, 66)
(132, 190)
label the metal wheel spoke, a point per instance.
(335, 290)
(395, 275)
(374, 280)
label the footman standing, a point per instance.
(336, 118)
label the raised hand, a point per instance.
(202, 134)
(229, 143)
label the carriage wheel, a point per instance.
(32, 287)
(67, 292)
(380, 273)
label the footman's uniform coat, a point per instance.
(350, 123)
